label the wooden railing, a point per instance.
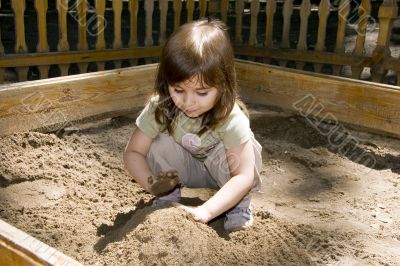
(99, 34)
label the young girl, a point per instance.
(195, 131)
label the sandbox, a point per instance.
(329, 196)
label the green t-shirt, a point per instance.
(232, 132)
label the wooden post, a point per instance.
(344, 9)
(117, 44)
(43, 46)
(20, 43)
(323, 12)
(387, 14)
(287, 16)
(149, 8)
(239, 7)
(133, 10)
(269, 27)
(100, 42)
(363, 13)
(62, 9)
(82, 32)
(190, 10)
(305, 10)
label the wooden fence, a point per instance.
(61, 37)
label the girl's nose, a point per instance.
(189, 100)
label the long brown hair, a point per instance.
(201, 48)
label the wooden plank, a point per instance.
(239, 7)
(344, 9)
(364, 104)
(53, 103)
(19, 248)
(14, 60)
(323, 12)
(81, 7)
(63, 45)
(364, 11)
(287, 16)
(133, 11)
(117, 11)
(308, 55)
(100, 41)
(305, 10)
(43, 45)
(20, 43)
(387, 14)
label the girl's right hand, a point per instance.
(164, 183)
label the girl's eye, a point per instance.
(178, 91)
(202, 93)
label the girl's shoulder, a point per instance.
(236, 118)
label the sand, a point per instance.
(319, 204)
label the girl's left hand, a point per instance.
(199, 213)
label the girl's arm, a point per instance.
(135, 158)
(241, 165)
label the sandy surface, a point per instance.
(318, 205)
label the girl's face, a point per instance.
(190, 97)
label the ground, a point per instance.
(319, 205)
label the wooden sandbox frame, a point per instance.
(52, 104)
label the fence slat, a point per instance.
(20, 43)
(344, 9)
(254, 9)
(1, 53)
(190, 10)
(43, 45)
(305, 11)
(82, 33)
(133, 11)
(269, 27)
(148, 41)
(177, 13)
(363, 13)
(224, 10)
(117, 11)
(239, 7)
(203, 8)
(287, 16)
(100, 41)
(62, 9)
(163, 6)
(387, 14)
(323, 12)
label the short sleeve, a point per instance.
(236, 130)
(146, 121)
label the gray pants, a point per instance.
(165, 155)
